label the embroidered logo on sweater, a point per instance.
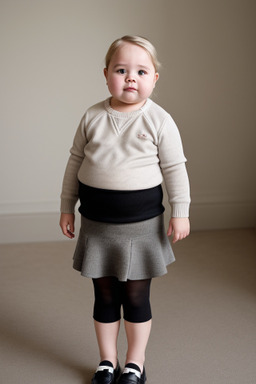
(142, 135)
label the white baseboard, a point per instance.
(30, 227)
(41, 227)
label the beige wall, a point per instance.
(52, 56)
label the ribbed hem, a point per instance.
(180, 210)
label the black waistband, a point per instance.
(120, 206)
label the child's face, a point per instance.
(131, 77)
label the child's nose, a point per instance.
(130, 78)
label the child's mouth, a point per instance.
(130, 89)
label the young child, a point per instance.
(123, 149)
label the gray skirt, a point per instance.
(133, 251)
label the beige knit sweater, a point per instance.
(127, 151)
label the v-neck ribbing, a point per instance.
(121, 120)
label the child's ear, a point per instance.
(105, 71)
(156, 78)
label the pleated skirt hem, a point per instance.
(133, 251)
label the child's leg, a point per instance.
(107, 334)
(137, 337)
(107, 316)
(137, 315)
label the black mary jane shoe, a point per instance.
(106, 374)
(132, 376)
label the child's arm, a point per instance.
(70, 185)
(172, 163)
(179, 227)
(67, 224)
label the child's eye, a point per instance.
(122, 71)
(142, 72)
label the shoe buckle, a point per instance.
(131, 370)
(105, 367)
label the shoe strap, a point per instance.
(131, 370)
(105, 367)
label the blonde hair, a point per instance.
(136, 40)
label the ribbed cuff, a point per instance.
(67, 206)
(180, 210)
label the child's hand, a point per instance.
(67, 224)
(179, 227)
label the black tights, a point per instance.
(111, 294)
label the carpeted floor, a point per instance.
(204, 314)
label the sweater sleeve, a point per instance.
(70, 186)
(172, 163)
